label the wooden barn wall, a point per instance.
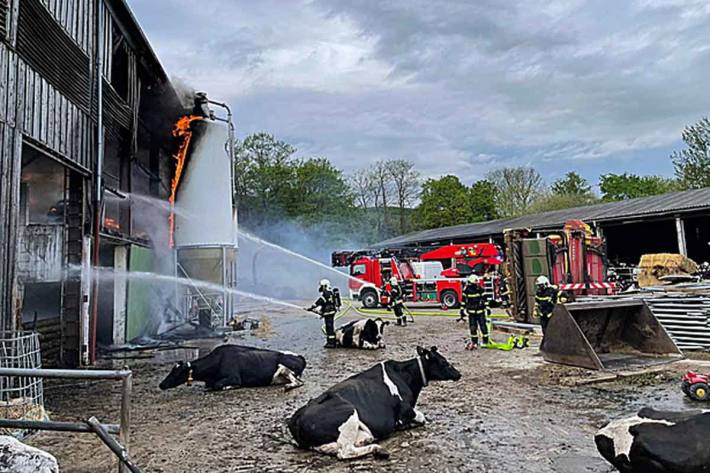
(10, 167)
(76, 17)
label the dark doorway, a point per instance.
(697, 237)
(626, 243)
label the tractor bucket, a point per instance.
(607, 335)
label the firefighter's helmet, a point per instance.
(324, 284)
(474, 279)
(394, 281)
(542, 281)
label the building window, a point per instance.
(119, 63)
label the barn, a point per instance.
(677, 222)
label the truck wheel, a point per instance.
(449, 299)
(369, 299)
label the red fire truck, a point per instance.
(421, 273)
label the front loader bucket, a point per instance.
(607, 335)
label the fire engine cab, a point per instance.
(421, 273)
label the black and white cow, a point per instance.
(657, 442)
(366, 333)
(348, 418)
(239, 366)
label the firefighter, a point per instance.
(396, 301)
(328, 305)
(545, 300)
(474, 304)
(504, 292)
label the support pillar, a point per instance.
(120, 288)
(680, 232)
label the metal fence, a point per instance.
(21, 398)
(92, 425)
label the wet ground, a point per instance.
(510, 412)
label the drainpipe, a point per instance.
(98, 198)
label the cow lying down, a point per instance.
(346, 420)
(657, 442)
(239, 366)
(366, 333)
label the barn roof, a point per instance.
(643, 207)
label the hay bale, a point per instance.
(21, 408)
(654, 266)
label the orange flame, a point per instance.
(181, 129)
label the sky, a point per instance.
(458, 87)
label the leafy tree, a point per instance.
(273, 187)
(482, 199)
(572, 184)
(444, 201)
(692, 165)
(263, 173)
(553, 201)
(319, 192)
(630, 186)
(571, 191)
(516, 189)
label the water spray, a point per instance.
(263, 242)
(145, 275)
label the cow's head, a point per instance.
(180, 374)
(381, 331)
(436, 367)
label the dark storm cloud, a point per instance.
(457, 86)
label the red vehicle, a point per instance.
(421, 274)
(696, 386)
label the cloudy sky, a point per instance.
(458, 86)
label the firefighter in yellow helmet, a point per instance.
(474, 303)
(545, 300)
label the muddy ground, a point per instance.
(510, 411)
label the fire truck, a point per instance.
(426, 276)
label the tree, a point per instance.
(482, 200)
(516, 189)
(362, 186)
(382, 184)
(273, 187)
(444, 201)
(630, 186)
(319, 192)
(405, 181)
(552, 201)
(571, 191)
(692, 165)
(572, 184)
(263, 171)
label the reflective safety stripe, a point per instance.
(539, 298)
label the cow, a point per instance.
(232, 366)
(348, 418)
(657, 442)
(366, 333)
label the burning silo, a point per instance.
(204, 225)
